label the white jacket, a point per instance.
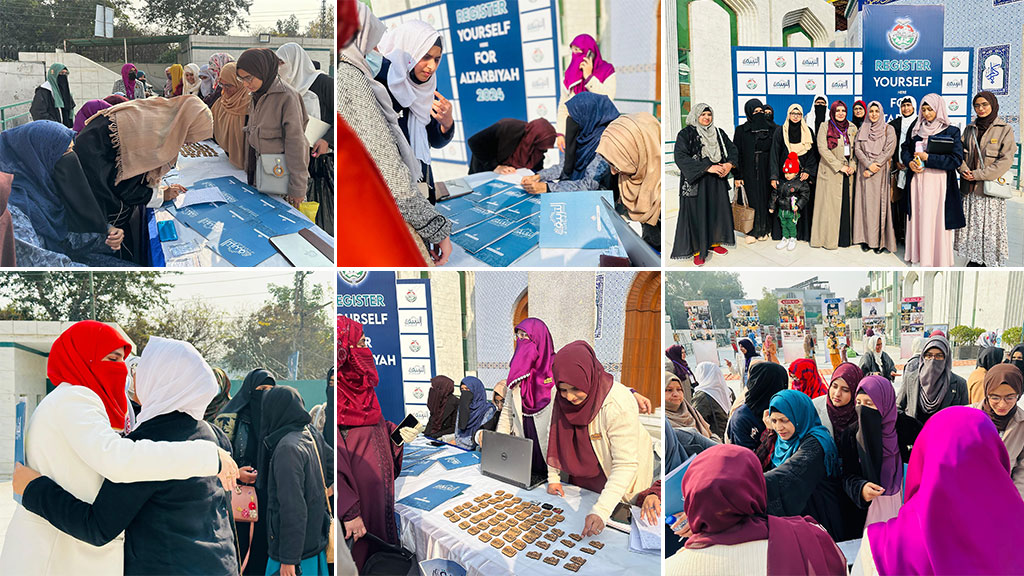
(69, 439)
(511, 419)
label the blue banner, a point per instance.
(19, 435)
(902, 54)
(370, 299)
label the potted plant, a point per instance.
(963, 341)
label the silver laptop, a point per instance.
(639, 252)
(509, 459)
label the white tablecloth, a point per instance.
(432, 536)
(192, 170)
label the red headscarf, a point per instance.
(357, 377)
(725, 499)
(569, 447)
(807, 378)
(538, 136)
(77, 358)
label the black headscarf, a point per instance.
(769, 115)
(65, 92)
(261, 63)
(250, 400)
(331, 416)
(820, 115)
(1018, 363)
(758, 122)
(983, 124)
(765, 380)
(990, 357)
(283, 413)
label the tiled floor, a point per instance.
(764, 253)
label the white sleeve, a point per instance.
(87, 431)
(156, 199)
(598, 87)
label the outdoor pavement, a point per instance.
(764, 254)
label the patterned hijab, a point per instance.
(710, 147)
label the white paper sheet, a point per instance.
(643, 536)
(199, 196)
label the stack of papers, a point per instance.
(644, 538)
(483, 219)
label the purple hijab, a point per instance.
(959, 471)
(574, 79)
(675, 354)
(530, 368)
(129, 85)
(881, 392)
(85, 112)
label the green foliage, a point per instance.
(768, 308)
(209, 17)
(1012, 337)
(718, 288)
(965, 335)
(73, 296)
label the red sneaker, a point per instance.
(719, 250)
(698, 261)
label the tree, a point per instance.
(72, 296)
(212, 17)
(1012, 337)
(314, 28)
(768, 308)
(202, 325)
(289, 27)
(853, 309)
(718, 288)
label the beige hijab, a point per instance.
(806, 141)
(229, 116)
(149, 133)
(685, 415)
(632, 144)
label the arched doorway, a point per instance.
(641, 346)
(521, 309)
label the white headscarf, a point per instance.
(905, 123)
(205, 81)
(871, 345)
(173, 377)
(711, 382)
(186, 87)
(299, 73)
(404, 46)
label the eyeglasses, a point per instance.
(244, 78)
(1008, 399)
(935, 356)
(982, 104)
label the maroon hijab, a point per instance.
(844, 416)
(569, 447)
(538, 136)
(725, 499)
(7, 259)
(837, 129)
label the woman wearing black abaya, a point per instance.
(53, 100)
(241, 420)
(794, 136)
(754, 143)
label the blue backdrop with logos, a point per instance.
(903, 55)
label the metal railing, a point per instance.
(6, 117)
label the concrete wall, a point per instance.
(18, 82)
(88, 80)
(200, 48)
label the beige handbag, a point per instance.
(742, 214)
(272, 174)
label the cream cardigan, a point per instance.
(748, 559)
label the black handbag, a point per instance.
(940, 145)
(387, 559)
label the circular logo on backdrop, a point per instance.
(839, 63)
(537, 55)
(780, 62)
(903, 35)
(414, 346)
(352, 277)
(811, 84)
(751, 84)
(953, 106)
(954, 62)
(542, 111)
(410, 296)
(417, 393)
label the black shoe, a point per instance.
(864, 247)
(880, 250)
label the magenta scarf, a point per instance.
(129, 85)
(530, 368)
(962, 514)
(85, 112)
(574, 79)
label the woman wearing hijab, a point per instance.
(1016, 357)
(56, 221)
(713, 399)
(241, 419)
(833, 217)
(170, 527)
(125, 152)
(367, 107)
(837, 409)
(88, 111)
(73, 438)
(795, 137)
(205, 82)
(53, 100)
(877, 361)
(587, 72)
(443, 405)
(412, 53)
(705, 156)
(277, 121)
(901, 125)
(129, 84)
(859, 114)
(368, 461)
(583, 168)
(631, 145)
(934, 208)
(474, 410)
(932, 385)
(531, 389)
(114, 100)
(872, 206)
(229, 113)
(223, 395)
(990, 356)
(959, 469)
(191, 80)
(175, 84)
(803, 473)
(298, 471)
(498, 394)
(1003, 387)
(750, 357)
(808, 346)
(770, 349)
(747, 422)
(807, 378)
(510, 144)
(983, 241)
(818, 114)
(733, 530)
(596, 437)
(677, 354)
(754, 145)
(679, 412)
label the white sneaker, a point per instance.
(782, 244)
(792, 244)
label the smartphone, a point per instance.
(167, 231)
(410, 421)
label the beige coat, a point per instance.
(607, 88)
(1013, 437)
(278, 125)
(511, 420)
(828, 191)
(623, 448)
(999, 147)
(748, 558)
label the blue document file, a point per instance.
(506, 251)
(575, 220)
(460, 460)
(434, 495)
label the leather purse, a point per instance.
(272, 174)
(992, 188)
(742, 214)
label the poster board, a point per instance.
(872, 313)
(745, 318)
(911, 323)
(702, 335)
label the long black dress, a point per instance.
(808, 164)
(754, 144)
(321, 169)
(800, 487)
(705, 215)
